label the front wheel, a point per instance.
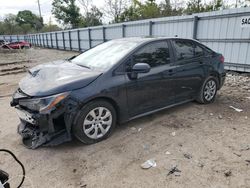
(95, 122)
(208, 91)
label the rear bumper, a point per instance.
(42, 129)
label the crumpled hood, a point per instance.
(56, 77)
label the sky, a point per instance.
(13, 6)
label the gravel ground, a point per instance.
(208, 144)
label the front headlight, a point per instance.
(44, 104)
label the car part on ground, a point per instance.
(89, 94)
(4, 177)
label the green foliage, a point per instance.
(50, 27)
(26, 18)
(67, 12)
(22, 23)
(92, 18)
(197, 6)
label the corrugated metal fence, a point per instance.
(220, 30)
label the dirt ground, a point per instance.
(209, 144)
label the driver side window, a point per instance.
(155, 54)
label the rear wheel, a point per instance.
(96, 122)
(208, 91)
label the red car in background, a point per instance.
(17, 45)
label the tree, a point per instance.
(149, 10)
(171, 9)
(92, 15)
(27, 17)
(114, 8)
(9, 23)
(93, 18)
(138, 10)
(66, 12)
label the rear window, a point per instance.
(185, 49)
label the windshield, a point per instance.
(105, 55)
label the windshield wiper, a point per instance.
(69, 60)
(83, 66)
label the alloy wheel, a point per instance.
(97, 122)
(210, 90)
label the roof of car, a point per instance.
(144, 39)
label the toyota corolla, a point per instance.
(86, 96)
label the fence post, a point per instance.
(47, 42)
(103, 34)
(10, 38)
(70, 44)
(51, 40)
(43, 40)
(40, 41)
(89, 34)
(79, 40)
(195, 27)
(63, 40)
(123, 30)
(56, 41)
(17, 38)
(150, 28)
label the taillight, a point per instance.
(222, 59)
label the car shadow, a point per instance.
(122, 127)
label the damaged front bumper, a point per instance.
(47, 129)
(42, 129)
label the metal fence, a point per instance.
(220, 30)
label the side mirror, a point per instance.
(141, 68)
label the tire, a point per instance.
(208, 91)
(90, 127)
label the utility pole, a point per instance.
(39, 7)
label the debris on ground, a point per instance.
(145, 147)
(228, 173)
(237, 154)
(187, 155)
(201, 164)
(133, 128)
(245, 148)
(174, 170)
(167, 153)
(211, 114)
(148, 164)
(220, 116)
(173, 133)
(248, 161)
(236, 109)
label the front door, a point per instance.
(151, 90)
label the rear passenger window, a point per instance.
(187, 49)
(155, 54)
(198, 51)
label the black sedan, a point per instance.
(117, 81)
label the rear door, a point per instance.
(189, 68)
(151, 90)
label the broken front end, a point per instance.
(44, 120)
